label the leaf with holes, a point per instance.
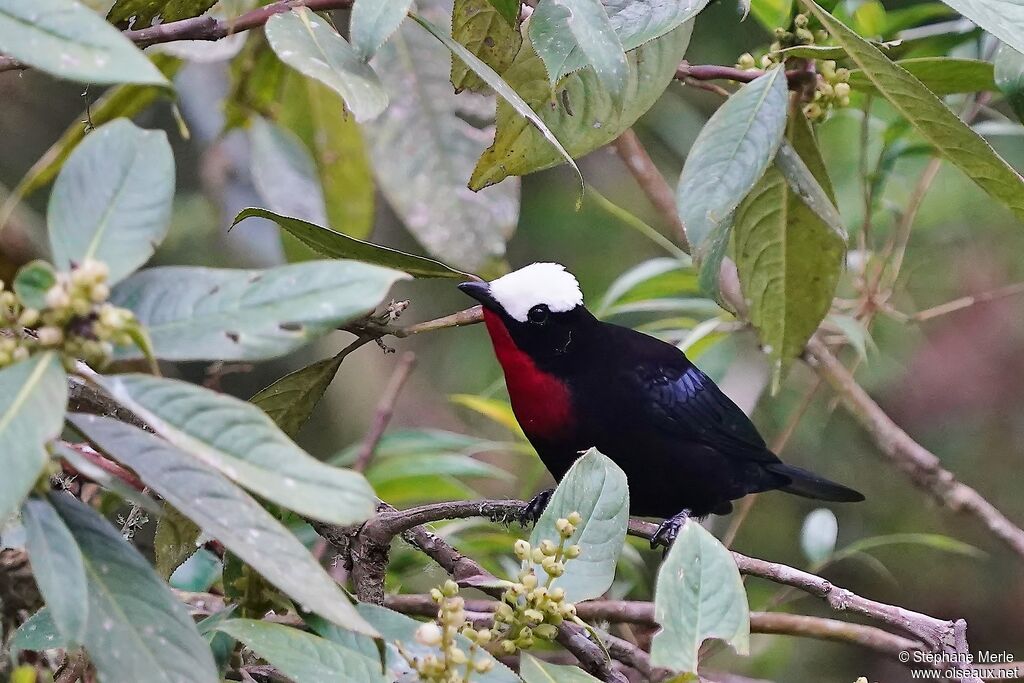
(727, 159)
(136, 630)
(239, 439)
(68, 40)
(699, 595)
(222, 314)
(308, 44)
(926, 112)
(225, 512)
(112, 200)
(596, 488)
(291, 400)
(480, 27)
(33, 394)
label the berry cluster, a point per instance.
(453, 664)
(73, 317)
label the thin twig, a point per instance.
(652, 182)
(385, 410)
(967, 301)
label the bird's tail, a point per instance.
(809, 485)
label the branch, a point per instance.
(922, 466)
(647, 175)
(385, 410)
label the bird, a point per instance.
(576, 382)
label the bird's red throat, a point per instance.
(542, 403)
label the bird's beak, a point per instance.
(481, 291)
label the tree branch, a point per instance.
(385, 410)
(652, 182)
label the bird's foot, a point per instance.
(666, 534)
(534, 509)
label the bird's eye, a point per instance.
(538, 314)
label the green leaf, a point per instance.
(397, 628)
(308, 44)
(284, 173)
(558, 28)
(33, 281)
(818, 534)
(637, 22)
(729, 156)
(256, 78)
(934, 541)
(932, 119)
(699, 595)
(68, 40)
(58, 568)
(534, 670)
(653, 279)
(772, 13)
(176, 539)
(1002, 18)
(509, 96)
(336, 245)
(941, 75)
(238, 439)
(481, 28)
(1009, 76)
(581, 113)
(137, 630)
(33, 395)
(596, 488)
(789, 259)
(38, 633)
(100, 476)
(221, 314)
(425, 182)
(137, 14)
(373, 22)
(304, 657)
(225, 512)
(290, 400)
(508, 9)
(112, 200)
(317, 115)
(387, 470)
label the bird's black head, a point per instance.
(540, 307)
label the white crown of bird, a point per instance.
(538, 283)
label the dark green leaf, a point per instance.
(58, 568)
(33, 394)
(932, 119)
(33, 281)
(941, 75)
(176, 539)
(336, 245)
(373, 22)
(137, 630)
(238, 439)
(225, 512)
(290, 400)
(699, 595)
(1009, 76)
(112, 199)
(68, 40)
(508, 9)
(136, 14)
(596, 488)
(256, 79)
(38, 633)
(222, 314)
(480, 26)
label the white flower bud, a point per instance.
(429, 634)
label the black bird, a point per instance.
(576, 382)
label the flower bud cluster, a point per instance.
(452, 664)
(832, 90)
(75, 319)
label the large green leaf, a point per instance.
(561, 28)
(1009, 76)
(68, 40)
(112, 200)
(58, 568)
(37, 633)
(239, 439)
(137, 630)
(933, 120)
(1002, 18)
(423, 150)
(225, 512)
(727, 159)
(533, 670)
(284, 173)
(308, 44)
(304, 657)
(373, 22)
(317, 115)
(33, 394)
(508, 9)
(138, 14)
(221, 314)
(639, 21)
(327, 242)
(699, 595)
(582, 115)
(789, 259)
(596, 488)
(290, 400)
(481, 28)
(941, 75)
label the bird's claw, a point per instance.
(666, 534)
(534, 509)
